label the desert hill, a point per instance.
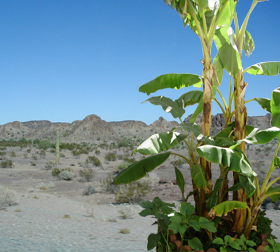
(93, 128)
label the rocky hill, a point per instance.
(93, 128)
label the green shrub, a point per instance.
(111, 156)
(13, 154)
(32, 163)
(55, 172)
(45, 144)
(132, 192)
(3, 153)
(34, 157)
(94, 160)
(125, 142)
(86, 174)
(97, 152)
(107, 184)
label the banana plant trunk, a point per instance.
(207, 107)
(240, 133)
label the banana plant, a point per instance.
(230, 57)
(227, 148)
(203, 21)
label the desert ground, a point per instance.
(80, 209)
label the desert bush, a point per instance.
(107, 184)
(127, 162)
(97, 152)
(66, 174)
(3, 153)
(62, 155)
(128, 193)
(42, 153)
(86, 174)
(34, 157)
(8, 197)
(125, 142)
(55, 172)
(49, 165)
(32, 163)
(45, 144)
(94, 160)
(131, 193)
(111, 156)
(6, 164)
(89, 190)
(13, 154)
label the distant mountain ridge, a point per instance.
(92, 128)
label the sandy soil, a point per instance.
(37, 189)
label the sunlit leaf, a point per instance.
(189, 98)
(235, 161)
(226, 14)
(172, 80)
(248, 182)
(227, 50)
(227, 206)
(275, 107)
(264, 68)
(191, 127)
(160, 142)
(260, 136)
(265, 103)
(167, 105)
(248, 44)
(140, 169)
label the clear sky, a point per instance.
(61, 60)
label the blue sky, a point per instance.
(61, 60)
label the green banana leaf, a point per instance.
(227, 50)
(140, 169)
(264, 68)
(275, 107)
(227, 206)
(265, 103)
(189, 98)
(160, 142)
(180, 180)
(197, 111)
(232, 159)
(248, 183)
(192, 127)
(248, 44)
(226, 13)
(198, 176)
(172, 80)
(217, 64)
(212, 201)
(167, 105)
(274, 190)
(259, 136)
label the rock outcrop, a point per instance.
(93, 127)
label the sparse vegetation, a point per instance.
(111, 156)
(64, 174)
(8, 197)
(86, 174)
(89, 190)
(6, 164)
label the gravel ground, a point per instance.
(52, 223)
